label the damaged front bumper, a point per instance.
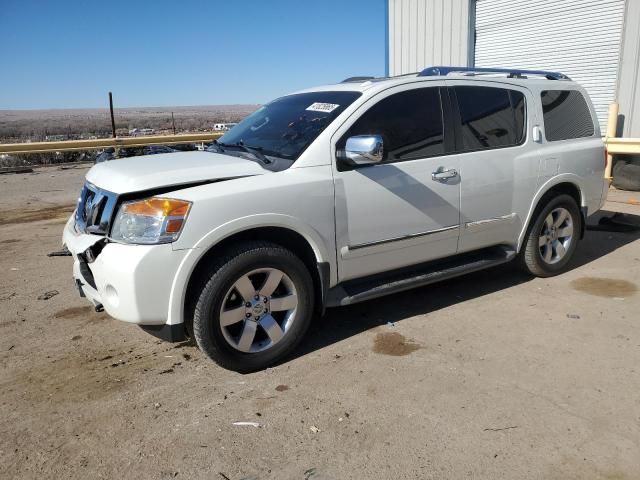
(131, 282)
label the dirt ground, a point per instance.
(495, 375)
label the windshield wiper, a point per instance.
(215, 146)
(255, 151)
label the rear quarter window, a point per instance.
(566, 115)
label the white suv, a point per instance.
(335, 195)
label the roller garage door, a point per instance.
(580, 38)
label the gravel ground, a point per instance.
(495, 375)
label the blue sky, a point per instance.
(69, 54)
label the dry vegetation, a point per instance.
(35, 125)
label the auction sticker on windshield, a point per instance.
(322, 107)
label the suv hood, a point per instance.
(164, 170)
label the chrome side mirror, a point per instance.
(364, 149)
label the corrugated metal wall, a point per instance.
(580, 38)
(629, 73)
(436, 32)
(427, 32)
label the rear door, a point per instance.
(498, 160)
(394, 214)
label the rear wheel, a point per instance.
(253, 306)
(552, 238)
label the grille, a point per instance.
(95, 210)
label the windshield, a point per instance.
(288, 125)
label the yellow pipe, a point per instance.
(94, 144)
(612, 125)
(623, 146)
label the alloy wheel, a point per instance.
(556, 235)
(258, 310)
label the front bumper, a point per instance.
(132, 282)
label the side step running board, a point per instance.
(359, 290)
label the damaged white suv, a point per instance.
(336, 195)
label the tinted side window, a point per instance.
(490, 117)
(410, 124)
(566, 115)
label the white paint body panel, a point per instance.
(151, 171)
(492, 201)
(133, 282)
(497, 184)
(391, 201)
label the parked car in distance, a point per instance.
(335, 195)
(105, 155)
(109, 153)
(156, 149)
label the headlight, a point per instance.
(150, 221)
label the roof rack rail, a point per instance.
(356, 79)
(512, 72)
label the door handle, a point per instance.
(443, 174)
(537, 134)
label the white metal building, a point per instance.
(595, 42)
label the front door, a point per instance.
(406, 209)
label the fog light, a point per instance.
(111, 296)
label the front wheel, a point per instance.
(253, 307)
(552, 238)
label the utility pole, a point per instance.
(113, 122)
(116, 150)
(174, 123)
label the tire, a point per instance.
(552, 257)
(241, 329)
(626, 174)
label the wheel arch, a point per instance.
(556, 186)
(301, 242)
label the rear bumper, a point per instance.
(132, 282)
(606, 183)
